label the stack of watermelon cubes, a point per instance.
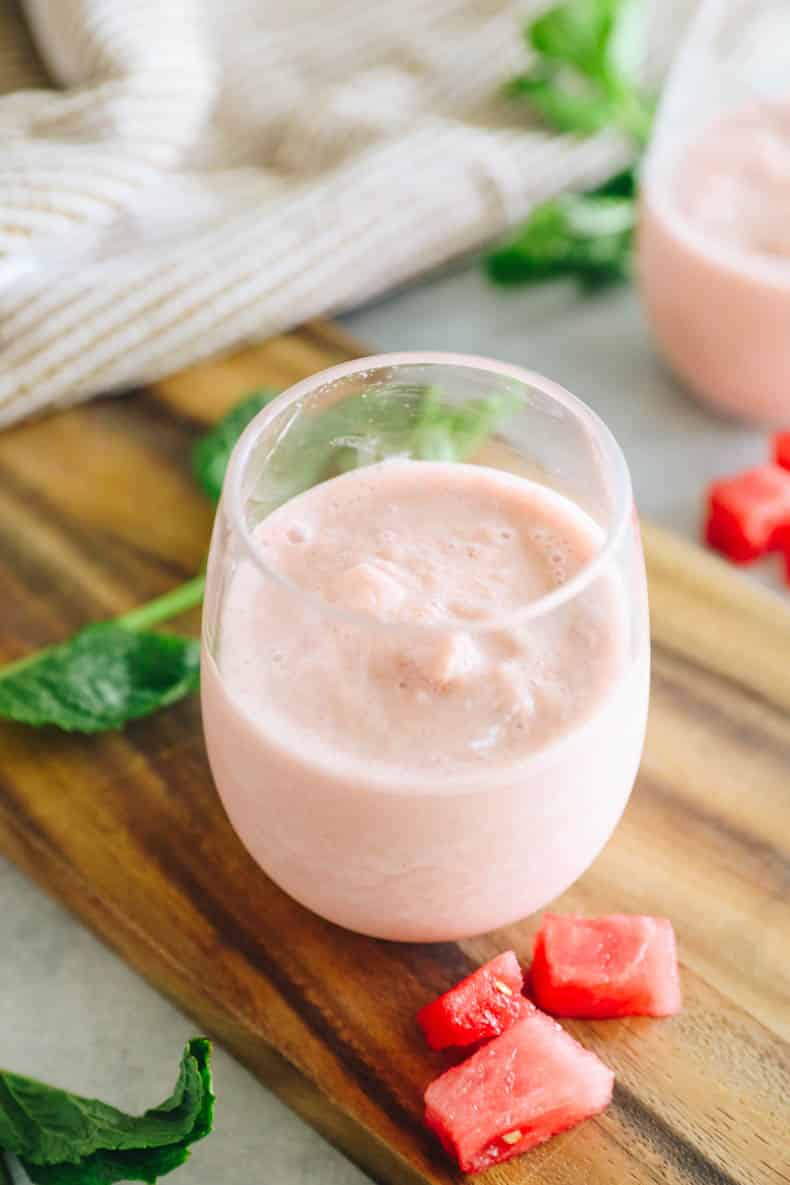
(748, 515)
(528, 1078)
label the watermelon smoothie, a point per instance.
(424, 682)
(714, 234)
(714, 261)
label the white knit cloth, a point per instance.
(177, 176)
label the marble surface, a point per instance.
(73, 1013)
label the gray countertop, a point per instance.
(70, 1010)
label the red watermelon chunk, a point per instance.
(748, 514)
(782, 449)
(481, 1006)
(620, 965)
(517, 1091)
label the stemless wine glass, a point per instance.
(384, 801)
(714, 226)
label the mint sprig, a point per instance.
(107, 673)
(583, 235)
(65, 1139)
(586, 74)
(392, 420)
(584, 79)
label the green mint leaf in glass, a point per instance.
(455, 432)
(582, 235)
(211, 454)
(412, 421)
(65, 1139)
(392, 420)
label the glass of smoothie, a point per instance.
(714, 230)
(425, 643)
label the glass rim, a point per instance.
(233, 500)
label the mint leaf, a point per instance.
(65, 1139)
(211, 454)
(589, 52)
(575, 111)
(104, 1168)
(623, 184)
(577, 32)
(447, 432)
(585, 78)
(364, 428)
(392, 420)
(588, 236)
(103, 676)
(625, 42)
(602, 39)
(147, 1163)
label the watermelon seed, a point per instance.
(502, 987)
(512, 1137)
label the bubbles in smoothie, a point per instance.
(298, 533)
(558, 551)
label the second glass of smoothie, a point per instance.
(426, 651)
(714, 227)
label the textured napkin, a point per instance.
(178, 176)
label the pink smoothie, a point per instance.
(714, 261)
(398, 745)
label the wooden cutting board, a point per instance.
(97, 513)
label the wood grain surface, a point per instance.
(97, 513)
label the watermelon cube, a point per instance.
(481, 1006)
(619, 965)
(515, 1092)
(782, 449)
(747, 514)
